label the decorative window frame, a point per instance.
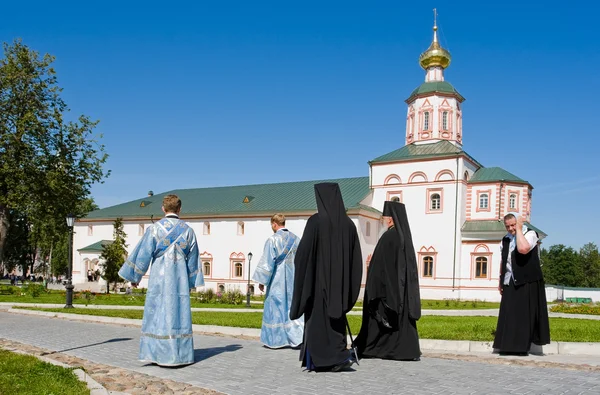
(390, 177)
(426, 121)
(390, 194)
(206, 228)
(410, 125)
(430, 193)
(240, 228)
(141, 229)
(447, 133)
(488, 192)
(438, 176)
(233, 259)
(424, 252)
(207, 257)
(425, 133)
(481, 251)
(90, 230)
(415, 175)
(517, 199)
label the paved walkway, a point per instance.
(237, 366)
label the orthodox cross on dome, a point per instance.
(435, 59)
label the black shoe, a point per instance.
(342, 366)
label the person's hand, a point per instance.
(519, 222)
(500, 289)
(261, 287)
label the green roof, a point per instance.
(96, 247)
(439, 149)
(262, 199)
(493, 226)
(488, 174)
(435, 87)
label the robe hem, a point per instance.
(165, 364)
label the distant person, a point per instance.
(327, 282)
(170, 245)
(275, 270)
(523, 317)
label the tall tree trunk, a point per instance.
(4, 225)
(50, 260)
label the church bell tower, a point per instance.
(434, 108)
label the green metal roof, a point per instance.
(442, 148)
(435, 87)
(96, 247)
(262, 199)
(488, 174)
(493, 226)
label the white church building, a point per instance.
(455, 205)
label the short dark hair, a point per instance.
(509, 216)
(171, 203)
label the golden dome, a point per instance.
(435, 54)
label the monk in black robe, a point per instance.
(327, 282)
(392, 303)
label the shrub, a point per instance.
(33, 290)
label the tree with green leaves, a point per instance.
(113, 256)
(590, 265)
(561, 266)
(55, 248)
(47, 163)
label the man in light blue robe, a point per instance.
(276, 271)
(170, 246)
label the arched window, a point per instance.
(240, 228)
(206, 268)
(483, 200)
(206, 228)
(445, 120)
(238, 269)
(466, 176)
(512, 200)
(427, 266)
(481, 267)
(221, 287)
(251, 289)
(368, 230)
(435, 202)
(426, 120)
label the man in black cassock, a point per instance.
(523, 317)
(392, 303)
(327, 282)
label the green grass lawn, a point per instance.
(110, 299)
(27, 375)
(449, 304)
(138, 300)
(430, 327)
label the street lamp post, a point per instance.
(248, 289)
(69, 286)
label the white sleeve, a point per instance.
(532, 239)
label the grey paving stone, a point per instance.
(236, 366)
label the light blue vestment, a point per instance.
(276, 271)
(170, 245)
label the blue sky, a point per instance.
(237, 92)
